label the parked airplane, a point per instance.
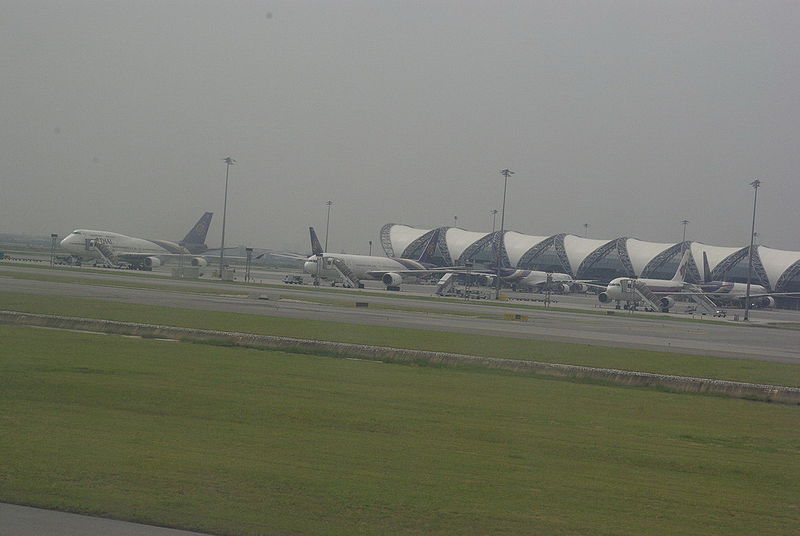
(538, 279)
(117, 249)
(351, 269)
(730, 292)
(656, 291)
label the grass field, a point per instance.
(546, 351)
(237, 441)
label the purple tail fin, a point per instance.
(195, 240)
(316, 247)
(430, 248)
(706, 269)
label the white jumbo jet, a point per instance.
(623, 289)
(539, 279)
(116, 249)
(351, 269)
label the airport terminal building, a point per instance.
(598, 259)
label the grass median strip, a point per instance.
(511, 348)
(80, 280)
(236, 441)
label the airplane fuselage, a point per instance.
(621, 289)
(75, 243)
(732, 290)
(534, 278)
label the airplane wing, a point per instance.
(287, 255)
(590, 283)
(424, 271)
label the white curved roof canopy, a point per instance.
(641, 253)
(776, 261)
(715, 254)
(517, 244)
(458, 240)
(401, 236)
(578, 248)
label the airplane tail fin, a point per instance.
(430, 248)
(195, 239)
(706, 269)
(316, 247)
(683, 268)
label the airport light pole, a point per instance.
(228, 163)
(455, 221)
(755, 184)
(249, 252)
(53, 237)
(370, 248)
(585, 230)
(327, 223)
(505, 173)
(493, 212)
(683, 242)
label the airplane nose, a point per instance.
(310, 267)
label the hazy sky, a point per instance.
(627, 115)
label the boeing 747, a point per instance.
(116, 249)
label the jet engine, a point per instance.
(764, 302)
(579, 287)
(199, 261)
(666, 302)
(310, 267)
(603, 297)
(152, 262)
(392, 280)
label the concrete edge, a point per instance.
(763, 392)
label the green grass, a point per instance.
(513, 348)
(236, 441)
(58, 278)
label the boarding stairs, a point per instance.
(704, 303)
(103, 250)
(445, 284)
(349, 279)
(645, 295)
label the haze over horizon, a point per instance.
(625, 115)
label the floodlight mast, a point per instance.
(228, 163)
(755, 184)
(683, 242)
(505, 173)
(327, 223)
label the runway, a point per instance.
(731, 339)
(18, 520)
